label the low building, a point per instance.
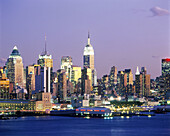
(17, 105)
(85, 103)
(43, 102)
(93, 111)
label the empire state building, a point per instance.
(88, 56)
(88, 61)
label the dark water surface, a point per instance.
(158, 125)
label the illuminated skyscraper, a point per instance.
(88, 55)
(88, 61)
(129, 80)
(86, 79)
(166, 76)
(142, 83)
(125, 83)
(137, 82)
(113, 77)
(45, 59)
(42, 80)
(75, 75)
(46, 62)
(30, 79)
(15, 71)
(165, 66)
(105, 82)
(66, 63)
(145, 82)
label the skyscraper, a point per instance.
(120, 83)
(165, 66)
(142, 83)
(75, 75)
(105, 82)
(113, 77)
(166, 77)
(30, 79)
(129, 80)
(88, 61)
(46, 62)
(86, 79)
(88, 56)
(45, 59)
(61, 85)
(15, 70)
(66, 63)
(43, 79)
(125, 83)
(137, 82)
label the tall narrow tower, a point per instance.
(46, 62)
(88, 56)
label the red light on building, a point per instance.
(167, 59)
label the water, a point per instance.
(158, 125)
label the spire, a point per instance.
(88, 38)
(137, 71)
(45, 46)
(15, 48)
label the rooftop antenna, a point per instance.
(88, 38)
(45, 45)
(88, 34)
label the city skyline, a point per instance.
(113, 42)
(101, 63)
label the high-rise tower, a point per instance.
(66, 63)
(142, 83)
(15, 68)
(113, 77)
(88, 61)
(88, 56)
(138, 78)
(166, 76)
(165, 66)
(46, 63)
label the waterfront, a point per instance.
(158, 125)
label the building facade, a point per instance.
(88, 56)
(15, 69)
(88, 60)
(66, 63)
(166, 77)
(142, 83)
(46, 73)
(113, 77)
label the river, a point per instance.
(158, 125)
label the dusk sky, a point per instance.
(124, 33)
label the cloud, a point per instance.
(2, 60)
(157, 11)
